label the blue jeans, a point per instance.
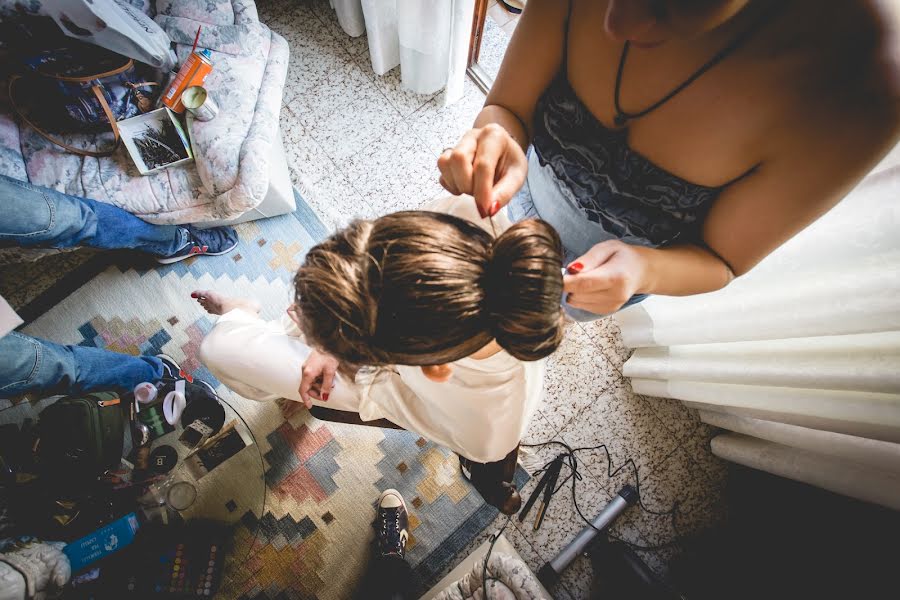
(31, 215)
(541, 197)
(32, 365)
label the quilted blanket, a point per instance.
(508, 579)
(230, 173)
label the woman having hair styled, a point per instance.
(457, 323)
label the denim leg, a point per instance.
(30, 364)
(521, 206)
(37, 216)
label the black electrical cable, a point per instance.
(571, 461)
(484, 567)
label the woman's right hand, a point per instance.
(318, 377)
(487, 163)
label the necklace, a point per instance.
(621, 117)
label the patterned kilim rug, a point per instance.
(320, 479)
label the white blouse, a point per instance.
(486, 406)
(481, 412)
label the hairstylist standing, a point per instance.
(676, 143)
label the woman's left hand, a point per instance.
(604, 278)
(318, 374)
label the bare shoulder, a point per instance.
(844, 82)
(882, 17)
(871, 71)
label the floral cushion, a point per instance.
(230, 173)
(512, 581)
(220, 12)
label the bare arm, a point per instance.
(532, 60)
(813, 170)
(812, 167)
(489, 160)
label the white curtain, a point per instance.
(800, 358)
(429, 39)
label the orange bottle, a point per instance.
(193, 72)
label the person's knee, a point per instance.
(30, 364)
(34, 216)
(75, 221)
(28, 214)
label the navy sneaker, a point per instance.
(391, 524)
(209, 242)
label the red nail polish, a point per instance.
(325, 397)
(575, 268)
(495, 207)
(195, 295)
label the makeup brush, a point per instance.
(196, 39)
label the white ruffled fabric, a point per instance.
(800, 357)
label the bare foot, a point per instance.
(218, 304)
(289, 408)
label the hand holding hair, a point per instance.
(487, 163)
(318, 377)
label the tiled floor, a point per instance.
(359, 145)
(502, 17)
(498, 28)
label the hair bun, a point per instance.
(523, 287)
(424, 288)
(334, 295)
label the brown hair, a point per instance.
(425, 288)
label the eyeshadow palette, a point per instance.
(186, 565)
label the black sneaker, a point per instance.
(392, 524)
(204, 242)
(513, 6)
(171, 369)
(206, 386)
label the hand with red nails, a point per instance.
(487, 163)
(318, 377)
(602, 280)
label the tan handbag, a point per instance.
(82, 100)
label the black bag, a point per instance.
(81, 88)
(82, 436)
